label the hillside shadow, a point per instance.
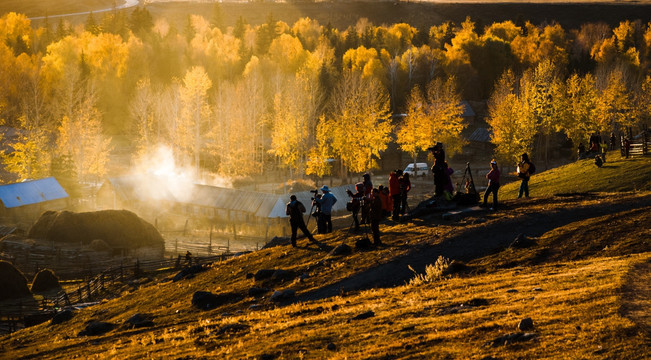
(472, 244)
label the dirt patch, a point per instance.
(117, 228)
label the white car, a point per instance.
(422, 169)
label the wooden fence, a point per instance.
(638, 147)
(17, 314)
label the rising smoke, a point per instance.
(157, 175)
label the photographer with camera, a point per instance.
(295, 210)
(324, 203)
(356, 202)
(320, 224)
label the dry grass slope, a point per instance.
(579, 273)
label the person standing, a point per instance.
(523, 173)
(438, 168)
(295, 210)
(493, 177)
(368, 187)
(394, 192)
(405, 186)
(376, 216)
(356, 203)
(326, 201)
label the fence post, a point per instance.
(90, 294)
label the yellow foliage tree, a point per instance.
(16, 32)
(287, 52)
(615, 104)
(30, 154)
(412, 135)
(296, 108)
(81, 139)
(580, 102)
(445, 110)
(320, 154)
(513, 130)
(537, 89)
(505, 30)
(142, 109)
(195, 113)
(359, 127)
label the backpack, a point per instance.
(532, 168)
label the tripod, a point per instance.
(470, 187)
(362, 223)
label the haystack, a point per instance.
(118, 228)
(100, 245)
(44, 281)
(13, 283)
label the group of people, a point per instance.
(376, 204)
(396, 201)
(598, 147)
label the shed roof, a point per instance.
(480, 135)
(467, 109)
(31, 192)
(306, 198)
(259, 204)
(231, 199)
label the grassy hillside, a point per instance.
(579, 270)
(617, 174)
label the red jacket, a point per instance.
(394, 184)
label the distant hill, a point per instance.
(570, 14)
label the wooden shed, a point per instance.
(26, 201)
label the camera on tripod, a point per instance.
(315, 192)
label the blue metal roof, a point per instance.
(31, 192)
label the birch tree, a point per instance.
(512, 129)
(359, 126)
(196, 112)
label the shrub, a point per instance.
(432, 271)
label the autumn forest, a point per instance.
(293, 96)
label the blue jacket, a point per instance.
(326, 201)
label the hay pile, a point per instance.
(13, 283)
(118, 228)
(44, 281)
